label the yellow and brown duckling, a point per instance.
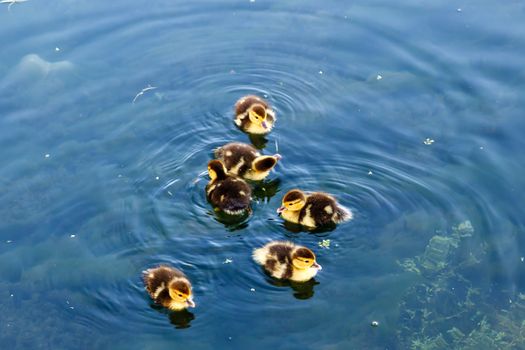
(225, 192)
(169, 287)
(287, 261)
(254, 115)
(313, 209)
(245, 161)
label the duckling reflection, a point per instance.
(297, 228)
(266, 189)
(180, 319)
(258, 141)
(302, 290)
(231, 222)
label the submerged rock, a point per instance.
(436, 253)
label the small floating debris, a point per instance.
(252, 289)
(57, 49)
(480, 147)
(227, 261)
(428, 141)
(9, 241)
(157, 178)
(72, 236)
(12, 295)
(325, 243)
(47, 155)
(147, 88)
(379, 77)
(374, 324)
(522, 259)
(459, 9)
(370, 172)
(321, 72)
(171, 194)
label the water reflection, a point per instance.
(301, 290)
(264, 190)
(360, 111)
(297, 228)
(180, 319)
(258, 141)
(231, 222)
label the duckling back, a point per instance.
(242, 105)
(242, 119)
(237, 157)
(322, 209)
(231, 195)
(276, 259)
(156, 281)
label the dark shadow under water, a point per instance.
(180, 319)
(301, 290)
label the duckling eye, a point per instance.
(180, 295)
(307, 261)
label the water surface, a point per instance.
(410, 113)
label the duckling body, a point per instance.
(169, 287)
(312, 210)
(245, 161)
(254, 115)
(228, 193)
(288, 261)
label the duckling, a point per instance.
(254, 115)
(312, 210)
(287, 261)
(169, 287)
(225, 192)
(244, 160)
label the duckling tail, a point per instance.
(237, 208)
(343, 214)
(259, 255)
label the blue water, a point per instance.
(410, 112)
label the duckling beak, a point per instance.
(280, 210)
(190, 302)
(264, 125)
(317, 266)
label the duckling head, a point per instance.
(257, 114)
(180, 292)
(216, 170)
(303, 259)
(264, 164)
(294, 200)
